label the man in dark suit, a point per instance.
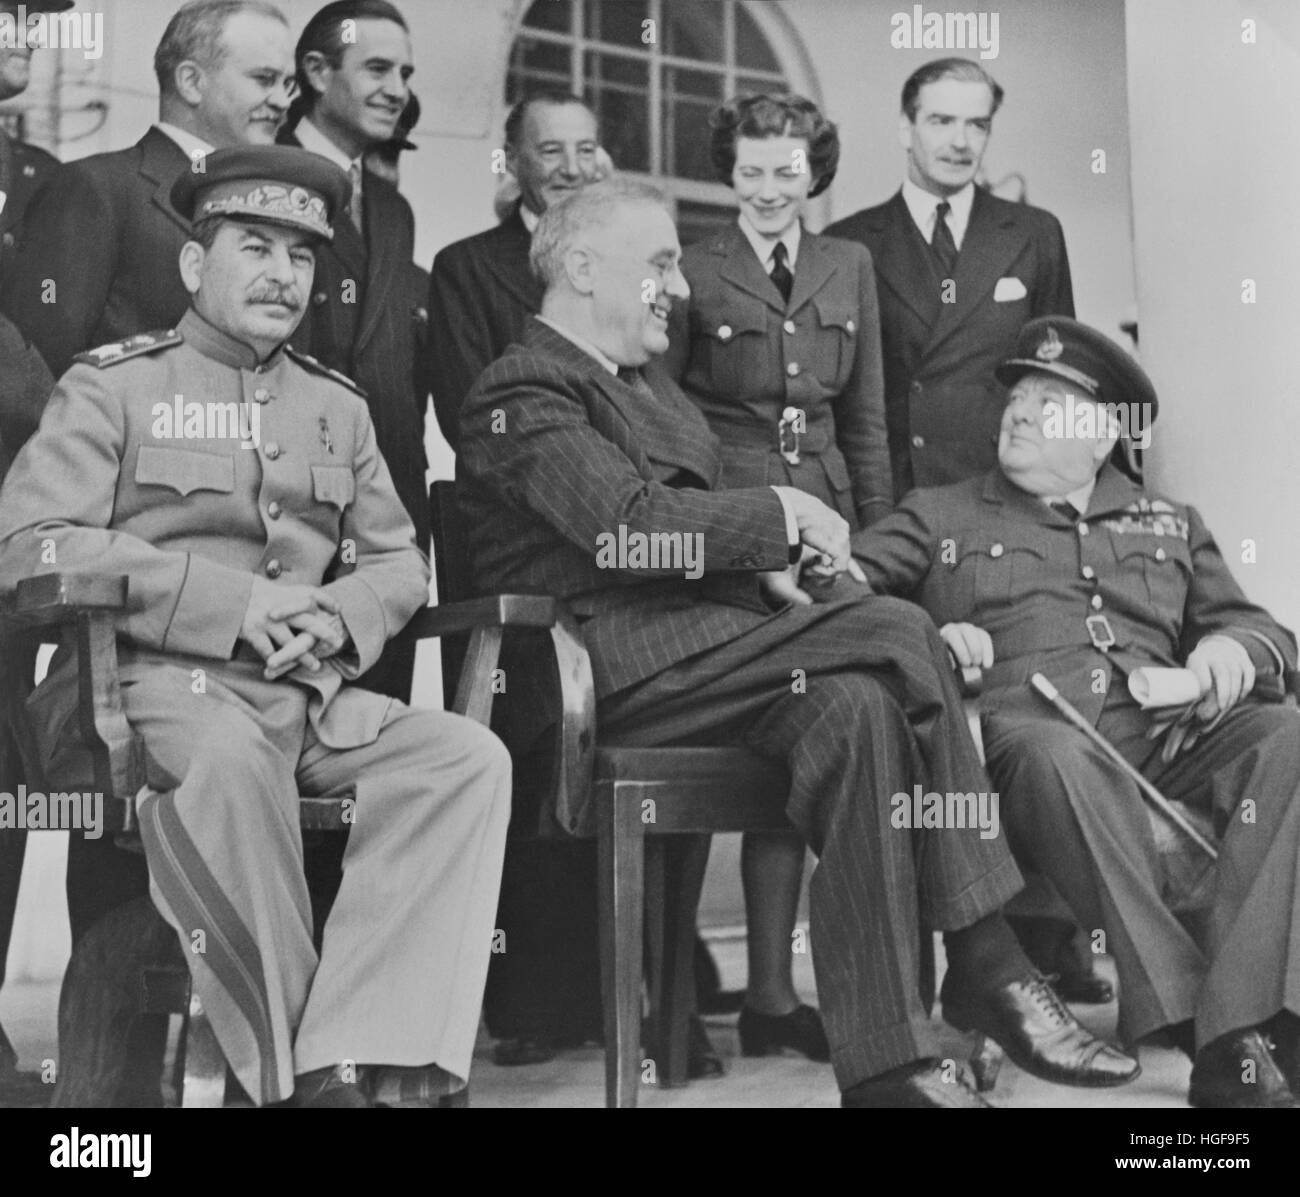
(482, 291)
(958, 273)
(96, 258)
(566, 446)
(543, 993)
(354, 61)
(1057, 562)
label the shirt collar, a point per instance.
(193, 147)
(529, 217)
(585, 345)
(921, 204)
(316, 141)
(1078, 499)
(763, 246)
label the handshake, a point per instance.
(291, 626)
(827, 553)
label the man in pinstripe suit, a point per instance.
(563, 445)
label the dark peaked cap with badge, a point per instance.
(1095, 364)
(273, 184)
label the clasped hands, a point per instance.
(827, 553)
(292, 625)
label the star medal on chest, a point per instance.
(325, 435)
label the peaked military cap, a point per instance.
(1100, 368)
(272, 184)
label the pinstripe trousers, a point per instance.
(399, 978)
(857, 700)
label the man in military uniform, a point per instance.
(1057, 562)
(269, 559)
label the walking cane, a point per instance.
(1149, 792)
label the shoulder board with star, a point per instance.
(317, 367)
(120, 351)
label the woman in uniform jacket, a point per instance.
(779, 346)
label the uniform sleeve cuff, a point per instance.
(363, 615)
(791, 527)
(210, 610)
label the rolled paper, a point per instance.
(1155, 686)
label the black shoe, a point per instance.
(325, 1089)
(801, 1030)
(1036, 1029)
(922, 1085)
(1087, 989)
(1238, 1071)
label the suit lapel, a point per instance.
(669, 431)
(741, 268)
(993, 239)
(510, 246)
(161, 161)
(898, 254)
(384, 269)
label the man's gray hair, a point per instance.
(595, 207)
(194, 34)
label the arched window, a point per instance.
(653, 70)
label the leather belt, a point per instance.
(778, 437)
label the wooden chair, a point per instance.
(130, 963)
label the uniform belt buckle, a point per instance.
(789, 449)
(1099, 632)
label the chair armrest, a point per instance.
(56, 597)
(497, 611)
(90, 602)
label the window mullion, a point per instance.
(657, 165)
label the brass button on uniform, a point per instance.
(996, 551)
(1160, 554)
(792, 369)
(261, 395)
(1088, 572)
(272, 450)
(274, 568)
(273, 509)
(1096, 602)
(918, 442)
(319, 298)
(851, 326)
(724, 332)
(1083, 528)
(789, 326)
(916, 388)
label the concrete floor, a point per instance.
(576, 1078)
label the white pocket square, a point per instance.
(1009, 289)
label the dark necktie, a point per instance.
(945, 248)
(1066, 508)
(781, 273)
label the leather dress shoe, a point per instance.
(922, 1085)
(1036, 1029)
(767, 1034)
(1087, 989)
(1219, 1075)
(325, 1089)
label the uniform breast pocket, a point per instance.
(837, 340)
(736, 354)
(1165, 564)
(333, 484)
(999, 569)
(184, 470)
